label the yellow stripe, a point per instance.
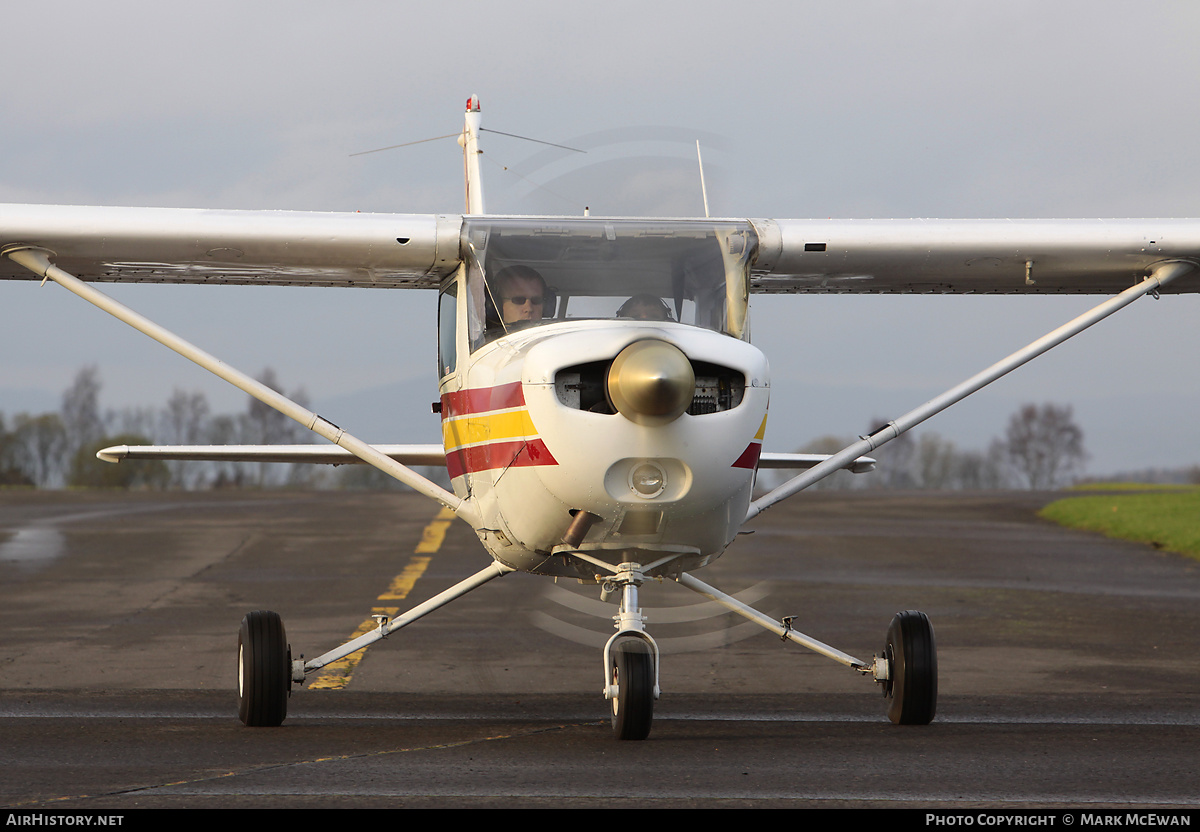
(336, 675)
(473, 429)
(762, 429)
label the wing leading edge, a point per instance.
(918, 256)
(926, 256)
(180, 245)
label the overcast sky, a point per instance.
(804, 109)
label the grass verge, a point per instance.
(1166, 519)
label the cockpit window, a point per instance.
(525, 272)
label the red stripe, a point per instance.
(482, 399)
(521, 453)
(749, 457)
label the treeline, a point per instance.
(58, 449)
(1041, 448)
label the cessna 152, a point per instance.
(603, 411)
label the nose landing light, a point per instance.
(648, 479)
(651, 382)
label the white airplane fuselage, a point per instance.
(521, 445)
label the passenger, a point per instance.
(645, 308)
(520, 293)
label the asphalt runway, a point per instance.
(1069, 664)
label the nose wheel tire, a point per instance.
(264, 670)
(632, 674)
(912, 660)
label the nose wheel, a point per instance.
(264, 670)
(632, 677)
(912, 661)
(631, 657)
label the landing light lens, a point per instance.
(648, 480)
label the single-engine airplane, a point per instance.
(603, 410)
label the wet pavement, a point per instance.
(1069, 668)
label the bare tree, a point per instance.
(184, 421)
(132, 419)
(185, 417)
(264, 425)
(983, 470)
(1043, 445)
(937, 462)
(227, 430)
(267, 426)
(932, 461)
(81, 410)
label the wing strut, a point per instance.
(1159, 276)
(784, 631)
(38, 261)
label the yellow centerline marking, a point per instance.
(337, 675)
(259, 769)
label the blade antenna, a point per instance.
(703, 188)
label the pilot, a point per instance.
(645, 308)
(520, 294)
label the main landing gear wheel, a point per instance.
(264, 670)
(912, 659)
(633, 676)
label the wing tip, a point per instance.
(113, 454)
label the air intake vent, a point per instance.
(717, 388)
(583, 387)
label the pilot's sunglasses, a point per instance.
(519, 300)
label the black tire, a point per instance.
(633, 673)
(264, 670)
(912, 657)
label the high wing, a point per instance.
(173, 245)
(288, 248)
(970, 256)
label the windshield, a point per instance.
(525, 272)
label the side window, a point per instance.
(447, 330)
